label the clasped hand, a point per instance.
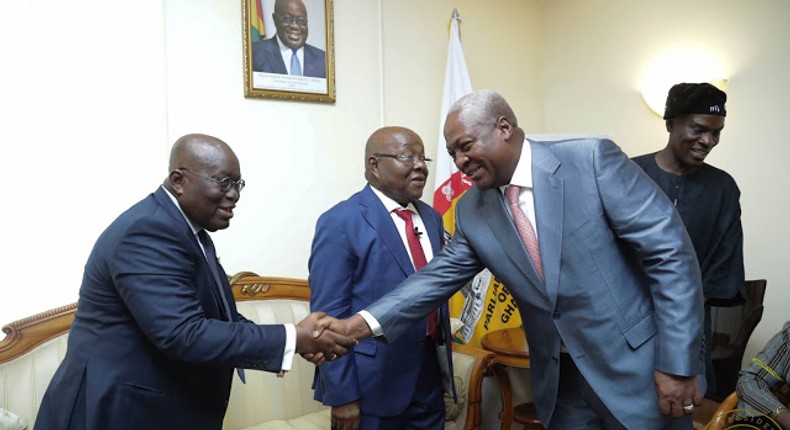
(316, 344)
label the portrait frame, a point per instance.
(267, 77)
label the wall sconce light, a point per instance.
(675, 67)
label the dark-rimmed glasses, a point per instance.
(290, 19)
(224, 183)
(406, 159)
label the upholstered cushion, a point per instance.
(24, 380)
(11, 421)
(265, 396)
(452, 408)
(315, 421)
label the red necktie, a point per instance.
(524, 227)
(418, 256)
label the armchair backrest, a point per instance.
(732, 328)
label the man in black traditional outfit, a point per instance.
(707, 198)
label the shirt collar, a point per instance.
(195, 228)
(522, 176)
(284, 49)
(390, 204)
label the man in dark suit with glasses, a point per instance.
(363, 247)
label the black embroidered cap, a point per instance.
(701, 98)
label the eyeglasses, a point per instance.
(406, 159)
(290, 19)
(224, 183)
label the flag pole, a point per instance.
(483, 305)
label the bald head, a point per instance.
(199, 164)
(386, 140)
(284, 6)
(401, 179)
(382, 139)
(197, 148)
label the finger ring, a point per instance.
(688, 408)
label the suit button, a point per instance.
(556, 315)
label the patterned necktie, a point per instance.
(418, 256)
(524, 227)
(211, 259)
(296, 67)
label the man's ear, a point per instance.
(670, 123)
(176, 179)
(504, 126)
(373, 165)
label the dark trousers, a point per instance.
(426, 410)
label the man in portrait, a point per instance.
(287, 52)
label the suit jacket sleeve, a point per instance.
(641, 214)
(159, 274)
(428, 289)
(332, 266)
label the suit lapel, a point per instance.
(377, 216)
(274, 51)
(433, 229)
(169, 207)
(548, 190)
(496, 215)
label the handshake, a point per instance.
(320, 337)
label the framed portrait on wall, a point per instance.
(289, 49)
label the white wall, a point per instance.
(92, 121)
(298, 158)
(95, 92)
(82, 115)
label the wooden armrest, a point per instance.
(482, 361)
(25, 334)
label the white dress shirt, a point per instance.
(287, 53)
(400, 224)
(522, 177)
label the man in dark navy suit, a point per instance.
(156, 336)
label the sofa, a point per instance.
(34, 346)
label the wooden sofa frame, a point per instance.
(24, 335)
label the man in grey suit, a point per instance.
(289, 44)
(611, 299)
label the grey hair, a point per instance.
(482, 107)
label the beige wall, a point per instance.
(100, 89)
(596, 55)
(415, 36)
